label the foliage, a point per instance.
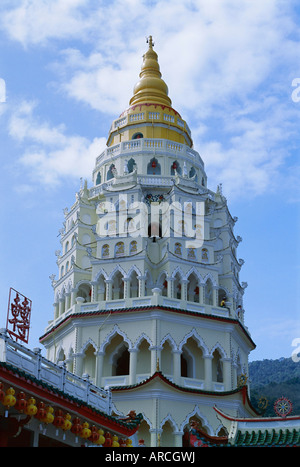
(273, 379)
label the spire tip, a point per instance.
(150, 42)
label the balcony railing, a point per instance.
(152, 145)
(34, 364)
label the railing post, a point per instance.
(38, 353)
(63, 369)
(86, 378)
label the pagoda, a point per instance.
(148, 300)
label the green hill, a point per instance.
(273, 379)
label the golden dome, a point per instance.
(151, 87)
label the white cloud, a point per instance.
(228, 66)
(36, 21)
(50, 154)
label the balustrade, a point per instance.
(57, 376)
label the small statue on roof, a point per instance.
(130, 416)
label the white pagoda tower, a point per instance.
(148, 300)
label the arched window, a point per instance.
(61, 356)
(138, 136)
(163, 284)
(110, 173)
(84, 291)
(131, 164)
(119, 249)
(101, 289)
(177, 286)
(193, 288)
(118, 286)
(222, 297)
(217, 367)
(105, 251)
(98, 179)
(153, 168)
(192, 362)
(167, 436)
(166, 359)
(191, 253)
(116, 358)
(111, 227)
(178, 249)
(192, 172)
(89, 362)
(144, 358)
(134, 285)
(133, 247)
(175, 166)
(204, 255)
(121, 361)
(129, 225)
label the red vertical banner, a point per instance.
(18, 316)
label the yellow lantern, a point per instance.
(67, 423)
(31, 408)
(101, 439)
(86, 432)
(9, 399)
(49, 417)
(115, 443)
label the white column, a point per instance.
(234, 375)
(155, 358)
(73, 297)
(141, 280)
(68, 301)
(184, 283)
(208, 371)
(215, 295)
(56, 310)
(201, 293)
(126, 282)
(177, 366)
(94, 295)
(170, 281)
(78, 364)
(132, 365)
(99, 368)
(227, 373)
(178, 438)
(61, 306)
(108, 283)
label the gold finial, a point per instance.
(151, 88)
(157, 364)
(150, 42)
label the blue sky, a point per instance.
(69, 67)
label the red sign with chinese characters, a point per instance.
(18, 316)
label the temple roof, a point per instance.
(151, 87)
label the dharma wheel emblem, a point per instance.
(283, 407)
